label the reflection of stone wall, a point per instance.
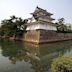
(42, 36)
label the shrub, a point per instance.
(62, 64)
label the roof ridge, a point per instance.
(40, 8)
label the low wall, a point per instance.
(43, 36)
(50, 36)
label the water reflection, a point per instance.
(39, 56)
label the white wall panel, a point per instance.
(41, 26)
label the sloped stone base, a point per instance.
(44, 36)
(32, 36)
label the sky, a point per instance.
(23, 8)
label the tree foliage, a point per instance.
(13, 26)
(61, 27)
(62, 64)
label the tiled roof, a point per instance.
(38, 9)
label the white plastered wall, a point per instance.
(41, 26)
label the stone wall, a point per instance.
(50, 36)
(43, 36)
(32, 36)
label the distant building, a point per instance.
(41, 19)
(40, 26)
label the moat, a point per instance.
(17, 56)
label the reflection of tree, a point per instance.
(37, 66)
(47, 53)
(15, 51)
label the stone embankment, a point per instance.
(43, 36)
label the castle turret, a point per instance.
(41, 19)
(40, 27)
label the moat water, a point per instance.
(17, 56)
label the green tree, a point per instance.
(13, 26)
(62, 64)
(61, 27)
(69, 27)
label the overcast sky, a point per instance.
(23, 8)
